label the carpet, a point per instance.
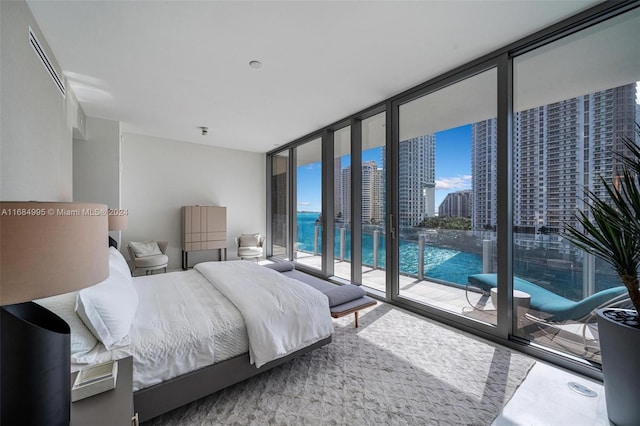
(397, 368)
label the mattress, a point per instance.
(182, 324)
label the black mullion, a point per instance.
(356, 201)
(328, 203)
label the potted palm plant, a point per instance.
(610, 230)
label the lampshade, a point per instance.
(45, 249)
(117, 222)
(51, 248)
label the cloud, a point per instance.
(454, 183)
(304, 203)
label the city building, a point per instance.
(416, 180)
(559, 150)
(372, 192)
(456, 204)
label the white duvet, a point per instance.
(182, 324)
(282, 315)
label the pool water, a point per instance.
(440, 263)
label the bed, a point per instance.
(195, 332)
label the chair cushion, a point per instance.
(354, 305)
(249, 251)
(249, 240)
(145, 248)
(158, 260)
(343, 294)
(557, 307)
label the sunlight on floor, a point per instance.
(544, 398)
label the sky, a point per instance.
(453, 169)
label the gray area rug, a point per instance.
(397, 368)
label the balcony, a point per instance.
(539, 258)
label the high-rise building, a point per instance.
(416, 180)
(483, 171)
(372, 199)
(371, 192)
(456, 204)
(345, 194)
(559, 150)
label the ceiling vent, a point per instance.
(35, 44)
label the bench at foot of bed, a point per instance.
(343, 299)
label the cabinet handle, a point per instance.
(134, 420)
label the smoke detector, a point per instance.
(205, 130)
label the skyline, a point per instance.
(453, 169)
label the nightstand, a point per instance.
(111, 408)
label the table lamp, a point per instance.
(46, 248)
(117, 222)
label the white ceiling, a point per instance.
(165, 68)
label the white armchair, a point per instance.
(148, 255)
(250, 246)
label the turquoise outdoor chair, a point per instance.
(555, 307)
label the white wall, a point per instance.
(36, 121)
(159, 176)
(96, 163)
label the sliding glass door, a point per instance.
(280, 201)
(574, 101)
(342, 203)
(446, 188)
(308, 213)
(451, 198)
(373, 207)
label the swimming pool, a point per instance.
(439, 263)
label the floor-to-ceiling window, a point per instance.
(308, 212)
(504, 145)
(279, 225)
(373, 208)
(342, 202)
(574, 99)
(446, 195)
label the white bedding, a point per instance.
(189, 320)
(282, 315)
(183, 323)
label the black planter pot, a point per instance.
(620, 346)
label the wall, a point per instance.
(159, 176)
(36, 120)
(96, 163)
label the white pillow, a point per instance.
(117, 261)
(108, 309)
(82, 341)
(145, 248)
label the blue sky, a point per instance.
(453, 169)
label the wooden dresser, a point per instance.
(203, 228)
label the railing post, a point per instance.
(316, 229)
(342, 240)
(588, 275)
(486, 256)
(376, 244)
(420, 257)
